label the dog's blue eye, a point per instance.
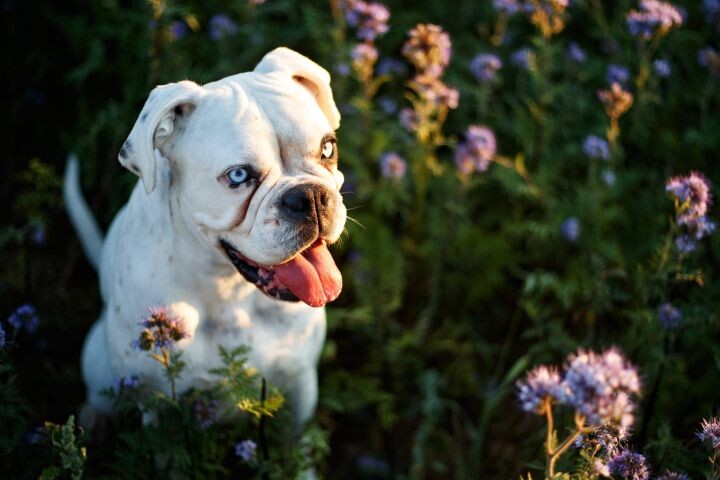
(237, 176)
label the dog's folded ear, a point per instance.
(306, 72)
(154, 126)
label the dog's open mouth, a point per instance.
(310, 276)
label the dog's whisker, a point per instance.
(355, 208)
(356, 222)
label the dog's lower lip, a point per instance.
(260, 276)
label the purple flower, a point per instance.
(668, 475)
(392, 165)
(342, 69)
(575, 53)
(709, 58)
(606, 440)
(629, 465)
(37, 236)
(653, 17)
(596, 147)
(429, 49)
(662, 68)
(522, 58)
(409, 119)
(685, 244)
(617, 74)
(693, 189)
(541, 384)
(477, 151)
(373, 465)
(507, 6)
(178, 29)
(710, 432)
(387, 104)
(364, 54)
(391, 66)
(161, 330)
(608, 177)
(570, 229)
(2, 336)
(25, 316)
(246, 450)
(439, 94)
(127, 383)
(485, 67)
(369, 18)
(599, 387)
(221, 25)
(669, 316)
(36, 435)
(712, 12)
(206, 412)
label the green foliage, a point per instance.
(67, 445)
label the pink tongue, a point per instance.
(312, 276)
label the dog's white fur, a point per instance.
(162, 248)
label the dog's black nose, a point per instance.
(307, 203)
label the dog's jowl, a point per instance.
(229, 227)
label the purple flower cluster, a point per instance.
(409, 119)
(429, 49)
(653, 17)
(161, 330)
(522, 58)
(709, 58)
(485, 67)
(617, 74)
(206, 412)
(596, 147)
(391, 66)
(127, 383)
(25, 316)
(693, 197)
(2, 336)
(605, 441)
(178, 29)
(662, 68)
(710, 432)
(364, 54)
(598, 386)
(221, 25)
(507, 6)
(477, 151)
(246, 450)
(629, 465)
(570, 229)
(370, 19)
(669, 316)
(712, 12)
(392, 165)
(575, 53)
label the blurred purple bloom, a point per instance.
(669, 316)
(596, 147)
(221, 25)
(162, 329)
(653, 16)
(246, 450)
(439, 94)
(206, 412)
(387, 104)
(178, 29)
(685, 244)
(570, 229)
(391, 66)
(485, 67)
(369, 18)
(668, 475)
(429, 49)
(363, 54)
(507, 6)
(710, 432)
(2, 336)
(608, 177)
(606, 439)
(409, 119)
(540, 384)
(36, 435)
(575, 53)
(693, 189)
(127, 383)
(464, 160)
(709, 58)
(629, 465)
(25, 316)
(373, 465)
(477, 150)
(617, 74)
(392, 165)
(342, 69)
(712, 12)
(522, 58)
(662, 68)
(599, 386)
(37, 236)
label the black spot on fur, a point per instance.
(143, 117)
(135, 168)
(126, 149)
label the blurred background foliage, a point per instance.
(454, 284)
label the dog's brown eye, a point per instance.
(328, 149)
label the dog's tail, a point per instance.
(81, 216)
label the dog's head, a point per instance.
(253, 159)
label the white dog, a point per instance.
(239, 175)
